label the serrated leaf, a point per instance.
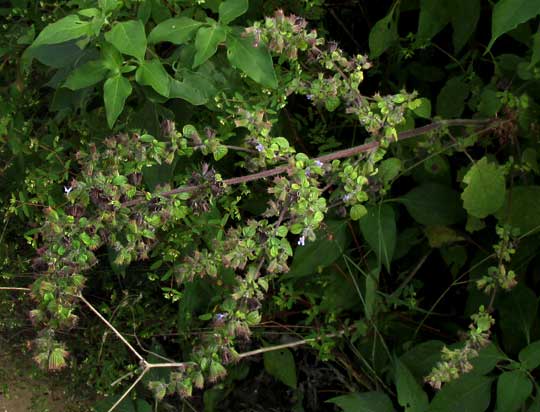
(358, 212)
(508, 14)
(115, 92)
(364, 402)
(86, 75)
(434, 16)
(220, 152)
(470, 393)
(280, 364)
(129, 38)
(513, 389)
(68, 28)
(409, 392)
(529, 356)
(451, 98)
(464, 16)
(378, 227)
(486, 189)
(207, 41)
(382, 35)
(255, 62)
(152, 73)
(231, 9)
(433, 204)
(389, 169)
(178, 30)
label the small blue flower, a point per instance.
(302, 241)
(259, 147)
(318, 163)
(67, 190)
(346, 197)
(308, 171)
(309, 97)
(220, 316)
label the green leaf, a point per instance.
(409, 392)
(434, 16)
(513, 389)
(86, 75)
(464, 16)
(508, 14)
(112, 59)
(486, 188)
(152, 73)
(433, 204)
(68, 28)
(116, 90)
(470, 393)
(255, 62)
(109, 5)
(535, 57)
(489, 103)
(231, 9)
(451, 98)
(421, 358)
(280, 364)
(378, 227)
(517, 312)
(220, 152)
(529, 356)
(315, 256)
(520, 209)
(129, 38)
(389, 169)
(424, 110)
(207, 41)
(383, 35)
(358, 212)
(178, 30)
(54, 55)
(364, 402)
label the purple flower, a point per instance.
(318, 163)
(309, 97)
(259, 147)
(220, 316)
(346, 197)
(302, 241)
(308, 171)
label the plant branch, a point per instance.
(14, 288)
(340, 154)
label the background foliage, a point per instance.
(333, 202)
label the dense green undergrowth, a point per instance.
(210, 203)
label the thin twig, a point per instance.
(120, 336)
(14, 288)
(126, 393)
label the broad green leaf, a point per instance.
(382, 35)
(86, 75)
(255, 62)
(364, 402)
(358, 212)
(116, 90)
(508, 14)
(520, 209)
(68, 28)
(529, 356)
(129, 38)
(517, 313)
(152, 73)
(409, 392)
(434, 16)
(464, 16)
(451, 98)
(424, 110)
(388, 169)
(486, 188)
(280, 364)
(535, 57)
(54, 55)
(439, 236)
(433, 204)
(378, 227)
(314, 256)
(109, 5)
(470, 393)
(513, 389)
(178, 30)
(489, 103)
(207, 41)
(487, 359)
(112, 59)
(420, 359)
(194, 88)
(231, 9)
